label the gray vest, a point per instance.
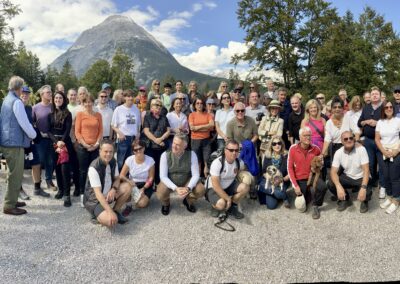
(179, 169)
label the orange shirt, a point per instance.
(197, 119)
(88, 128)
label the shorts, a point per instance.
(213, 197)
(136, 192)
(31, 156)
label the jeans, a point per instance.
(46, 150)
(317, 197)
(349, 183)
(124, 150)
(270, 199)
(372, 151)
(391, 174)
(202, 148)
(85, 158)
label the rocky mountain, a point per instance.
(151, 59)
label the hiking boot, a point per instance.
(315, 213)
(189, 207)
(342, 205)
(234, 211)
(41, 192)
(364, 207)
(23, 195)
(165, 209)
(50, 185)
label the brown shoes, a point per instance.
(20, 204)
(14, 211)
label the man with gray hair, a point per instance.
(179, 172)
(15, 134)
(299, 168)
(241, 127)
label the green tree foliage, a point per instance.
(97, 74)
(233, 77)
(168, 79)
(67, 76)
(51, 76)
(122, 71)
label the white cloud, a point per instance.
(141, 17)
(210, 5)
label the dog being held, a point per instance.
(273, 178)
(316, 167)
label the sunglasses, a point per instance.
(321, 98)
(240, 110)
(388, 107)
(224, 86)
(226, 98)
(346, 139)
(158, 84)
(233, 150)
(397, 92)
(157, 105)
(137, 149)
(337, 107)
(103, 97)
(252, 87)
(142, 91)
(276, 143)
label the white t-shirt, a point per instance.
(352, 118)
(253, 113)
(106, 115)
(139, 172)
(176, 121)
(389, 130)
(227, 176)
(94, 178)
(127, 120)
(222, 117)
(332, 133)
(351, 162)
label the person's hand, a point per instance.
(158, 141)
(226, 139)
(362, 194)
(113, 218)
(182, 191)
(341, 194)
(193, 128)
(60, 144)
(297, 190)
(228, 203)
(162, 144)
(372, 123)
(111, 195)
(121, 136)
(388, 153)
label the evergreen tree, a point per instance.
(67, 76)
(97, 74)
(122, 71)
(27, 66)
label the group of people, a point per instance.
(117, 151)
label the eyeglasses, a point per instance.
(320, 98)
(388, 107)
(224, 86)
(237, 92)
(233, 150)
(337, 107)
(103, 97)
(226, 98)
(212, 104)
(157, 105)
(240, 110)
(277, 143)
(346, 139)
(158, 84)
(137, 149)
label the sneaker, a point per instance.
(189, 207)
(364, 207)
(382, 193)
(315, 213)
(41, 192)
(23, 195)
(94, 220)
(82, 205)
(393, 207)
(386, 203)
(67, 201)
(341, 205)
(234, 211)
(50, 185)
(128, 209)
(286, 204)
(214, 212)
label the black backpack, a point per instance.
(220, 154)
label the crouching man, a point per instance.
(103, 188)
(179, 172)
(352, 159)
(224, 191)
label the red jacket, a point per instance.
(299, 162)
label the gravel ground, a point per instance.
(53, 244)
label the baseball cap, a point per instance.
(105, 86)
(142, 88)
(396, 88)
(25, 89)
(210, 101)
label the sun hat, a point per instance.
(274, 103)
(300, 203)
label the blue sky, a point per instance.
(202, 34)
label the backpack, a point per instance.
(220, 154)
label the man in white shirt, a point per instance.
(106, 114)
(126, 121)
(179, 172)
(103, 188)
(223, 190)
(352, 160)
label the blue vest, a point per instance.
(11, 133)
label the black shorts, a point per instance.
(231, 190)
(148, 191)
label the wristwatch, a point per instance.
(364, 186)
(189, 189)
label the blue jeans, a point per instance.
(391, 174)
(270, 199)
(372, 151)
(124, 150)
(46, 153)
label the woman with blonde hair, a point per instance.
(154, 90)
(313, 119)
(118, 97)
(223, 87)
(275, 155)
(353, 115)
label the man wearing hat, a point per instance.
(254, 109)
(110, 102)
(396, 95)
(299, 168)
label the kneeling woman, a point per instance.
(141, 176)
(275, 155)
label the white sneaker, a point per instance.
(382, 193)
(386, 203)
(82, 205)
(393, 207)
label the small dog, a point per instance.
(273, 178)
(316, 167)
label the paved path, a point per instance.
(53, 244)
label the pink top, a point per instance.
(317, 139)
